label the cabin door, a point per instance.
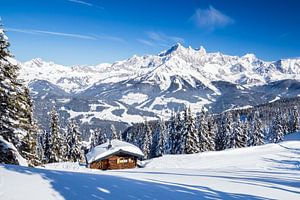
(104, 164)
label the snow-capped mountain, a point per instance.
(151, 86)
(69, 78)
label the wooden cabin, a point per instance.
(114, 154)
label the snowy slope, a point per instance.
(266, 172)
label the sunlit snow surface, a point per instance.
(271, 171)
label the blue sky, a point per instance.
(95, 31)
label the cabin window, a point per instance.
(122, 160)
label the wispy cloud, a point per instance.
(85, 3)
(42, 32)
(70, 35)
(81, 2)
(154, 38)
(211, 18)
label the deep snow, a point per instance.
(271, 171)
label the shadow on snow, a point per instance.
(81, 186)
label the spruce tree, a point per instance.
(211, 146)
(147, 141)
(161, 144)
(74, 152)
(114, 134)
(190, 133)
(238, 137)
(40, 147)
(97, 137)
(27, 123)
(203, 143)
(16, 122)
(277, 133)
(178, 134)
(47, 147)
(8, 93)
(172, 133)
(257, 135)
(294, 125)
(55, 154)
(244, 137)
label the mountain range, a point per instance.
(151, 86)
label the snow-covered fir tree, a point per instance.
(223, 139)
(55, 153)
(28, 125)
(203, 143)
(16, 121)
(97, 137)
(114, 134)
(8, 92)
(177, 143)
(284, 122)
(47, 146)
(238, 138)
(147, 140)
(172, 133)
(74, 152)
(162, 143)
(40, 146)
(294, 124)
(190, 133)
(245, 130)
(211, 146)
(277, 132)
(257, 136)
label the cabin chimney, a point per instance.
(109, 144)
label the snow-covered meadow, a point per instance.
(270, 171)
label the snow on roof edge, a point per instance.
(101, 151)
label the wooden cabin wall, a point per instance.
(115, 162)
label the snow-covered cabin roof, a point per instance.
(102, 151)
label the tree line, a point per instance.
(187, 133)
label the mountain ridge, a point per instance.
(151, 86)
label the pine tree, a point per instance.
(277, 133)
(190, 133)
(47, 146)
(55, 154)
(284, 122)
(16, 121)
(203, 134)
(238, 137)
(178, 134)
(40, 147)
(294, 125)
(223, 140)
(244, 137)
(172, 133)
(28, 125)
(257, 136)
(97, 137)
(114, 134)
(211, 146)
(8, 93)
(147, 141)
(161, 145)
(74, 152)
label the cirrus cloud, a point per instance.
(211, 18)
